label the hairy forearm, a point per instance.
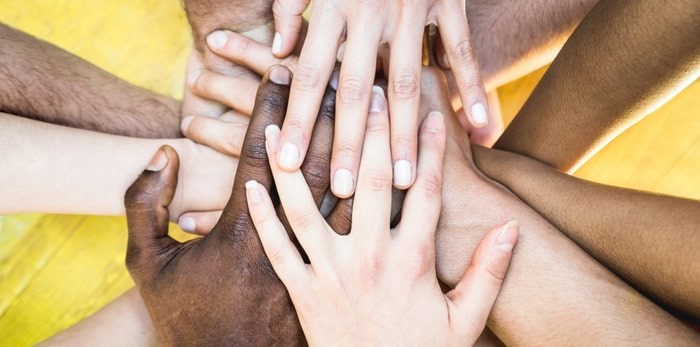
(513, 38)
(54, 169)
(123, 322)
(41, 81)
(650, 240)
(623, 61)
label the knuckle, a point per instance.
(234, 141)
(346, 149)
(405, 86)
(370, 268)
(300, 220)
(271, 103)
(255, 153)
(351, 89)
(462, 52)
(316, 171)
(306, 78)
(430, 185)
(403, 142)
(276, 254)
(420, 263)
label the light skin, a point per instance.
(624, 60)
(79, 94)
(648, 239)
(66, 170)
(377, 285)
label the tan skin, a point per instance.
(623, 61)
(79, 94)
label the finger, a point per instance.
(475, 294)
(192, 104)
(489, 134)
(236, 93)
(454, 32)
(317, 163)
(299, 206)
(270, 105)
(288, 20)
(147, 201)
(225, 137)
(352, 102)
(404, 97)
(199, 223)
(372, 207)
(246, 52)
(283, 255)
(340, 218)
(310, 78)
(424, 200)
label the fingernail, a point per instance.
(508, 236)
(193, 76)
(217, 40)
(253, 192)
(434, 122)
(271, 137)
(445, 61)
(187, 224)
(185, 124)
(333, 83)
(279, 75)
(158, 161)
(402, 173)
(378, 101)
(478, 114)
(277, 43)
(289, 156)
(342, 183)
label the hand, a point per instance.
(370, 23)
(378, 286)
(219, 289)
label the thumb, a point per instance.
(288, 21)
(147, 201)
(475, 294)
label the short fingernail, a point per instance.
(185, 124)
(334, 79)
(378, 101)
(253, 192)
(478, 114)
(402, 173)
(434, 122)
(217, 40)
(277, 43)
(158, 162)
(193, 76)
(445, 61)
(289, 156)
(508, 236)
(187, 224)
(343, 182)
(279, 75)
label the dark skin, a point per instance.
(221, 289)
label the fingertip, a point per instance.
(158, 162)
(507, 237)
(253, 193)
(185, 124)
(272, 134)
(217, 40)
(343, 183)
(277, 44)
(187, 224)
(434, 122)
(280, 75)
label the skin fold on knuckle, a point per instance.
(376, 181)
(405, 86)
(462, 53)
(430, 186)
(352, 90)
(306, 78)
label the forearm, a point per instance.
(513, 38)
(554, 291)
(123, 322)
(649, 240)
(54, 169)
(623, 61)
(41, 81)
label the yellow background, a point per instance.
(55, 270)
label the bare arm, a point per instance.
(554, 291)
(54, 169)
(124, 322)
(650, 240)
(623, 61)
(41, 81)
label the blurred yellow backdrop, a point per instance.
(55, 270)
